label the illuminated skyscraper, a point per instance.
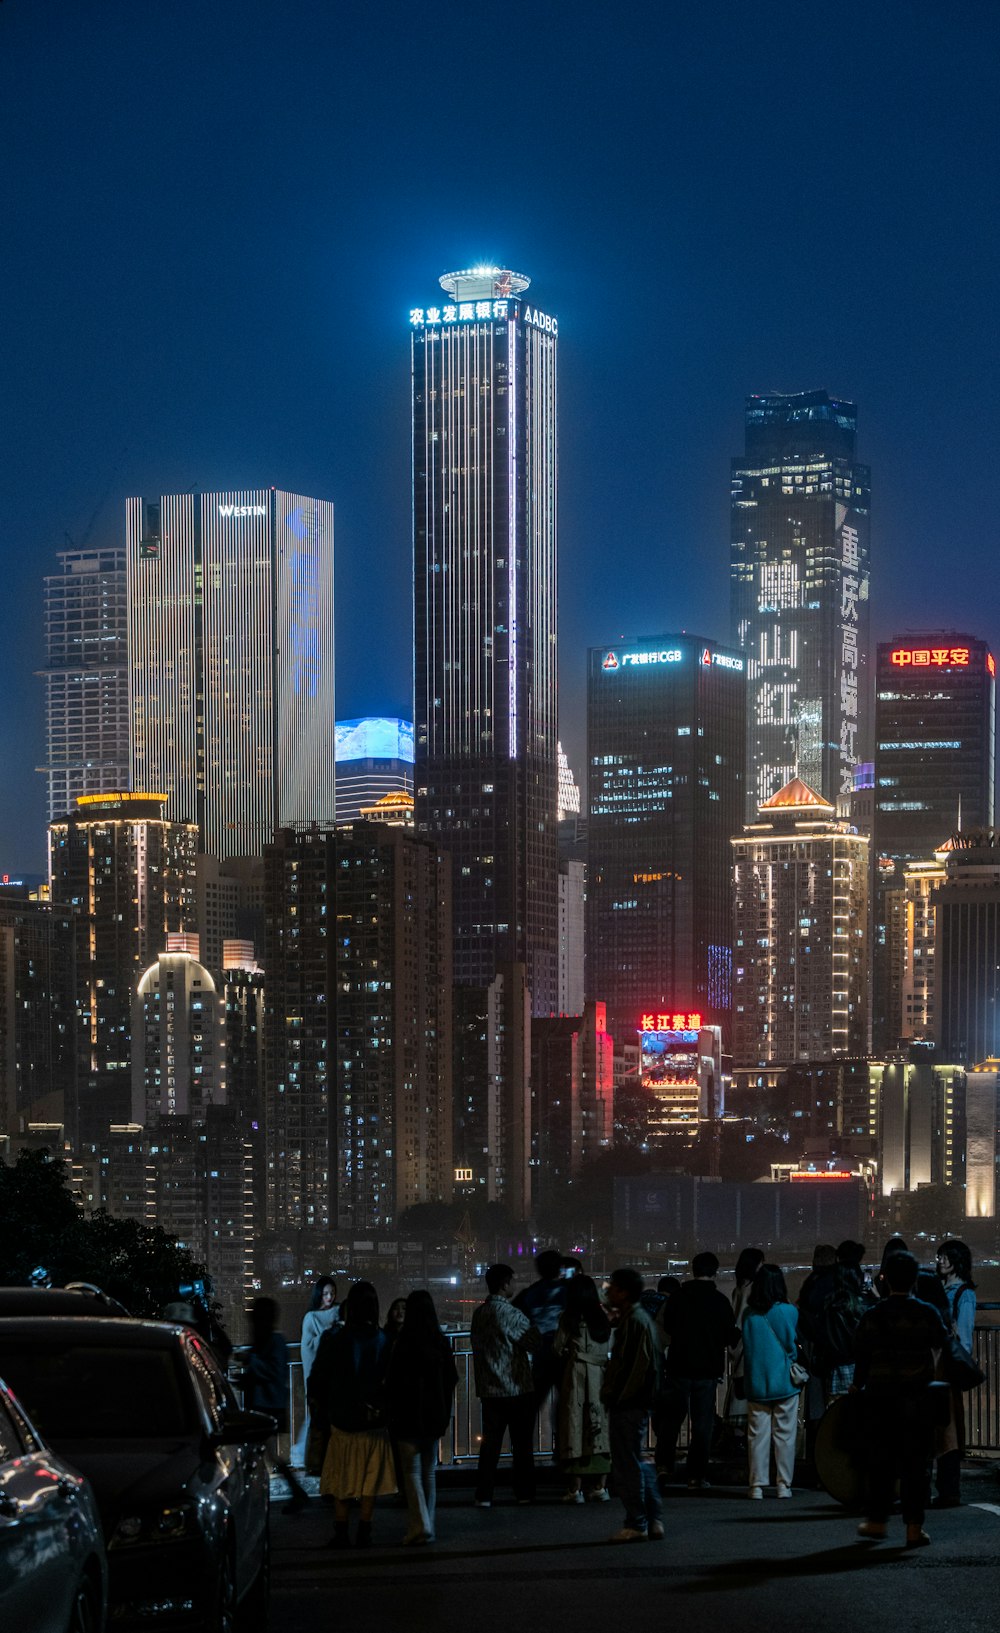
(484, 506)
(665, 743)
(374, 758)
(86, 677)
(799, 593)
(130, 876)
(935, 769)
(800, 914)
(230, 629)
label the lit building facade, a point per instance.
(484, 506)
(920, 1113)
(299, 1031)
(230, 637)
(492, 1089)
(967, 949)
(572, 1078)
(178, 1039)
(37, 1014)
(393, 1116)
(665, 744)
(800, 959)
(799, 574)
(981, 1131)
(374, 759)
(86, 677)
(129, 875)
(935, 768)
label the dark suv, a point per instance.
(142, 1409)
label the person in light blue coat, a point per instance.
(769, 1347)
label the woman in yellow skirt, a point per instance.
(347, 1391)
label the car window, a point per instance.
(208, 1381)
(28, 1438)
(10, 1440)
(80, 1390)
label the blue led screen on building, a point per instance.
(373, 739)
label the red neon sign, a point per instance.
(927, 657)
(668, 1021)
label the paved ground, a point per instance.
(773, 1566)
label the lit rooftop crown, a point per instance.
(479, 283)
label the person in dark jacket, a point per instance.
(347, 1393)
(267, 1371)
(420, 1390)
(896, 1346)
(700, 1328)
(543, 1304)
(628, 1391)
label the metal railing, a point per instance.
(461, 1444)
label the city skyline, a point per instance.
(277, 352)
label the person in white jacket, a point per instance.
(322, 1314)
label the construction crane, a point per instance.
(102, 501)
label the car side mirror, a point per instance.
(244, 1429)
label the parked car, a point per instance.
(142, 1409)
(53, 1570)
(78, 1299)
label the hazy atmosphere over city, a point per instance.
(218, 216)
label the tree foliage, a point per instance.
(42, 1226)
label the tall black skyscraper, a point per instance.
(935, 770)
(799, 593)
(484, 516)
(665, 743)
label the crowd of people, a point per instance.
(610, 1362)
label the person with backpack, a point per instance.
(896, 1347)
(954, 1268)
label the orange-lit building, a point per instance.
(800, 971)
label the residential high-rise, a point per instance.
(300, 1030)
(374, 758)
(484, 507)
(935, 769)
(967, 949)
(800, 958)
(393, 1117)
(572, 1078)
(799, 593)
(129, 873)
(178, 1039)
(37, 1014)
(357, 1028)
(492, 1087)
(230, 633)
(665, 745)
(86, 676)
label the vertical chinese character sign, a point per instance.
(851, 591)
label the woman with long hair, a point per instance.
(747, 1266)
(346, 1393)
(321, 1315)
(769, 1349)
(954, 1268)
(420, 1391)
(580, 1350)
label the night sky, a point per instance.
(216, 215)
